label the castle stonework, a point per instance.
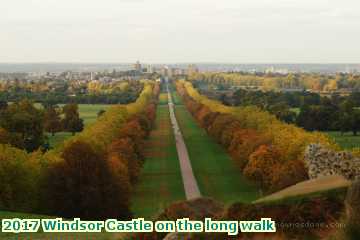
(321, 161)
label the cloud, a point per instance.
(201, 30)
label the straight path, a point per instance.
(189, 181)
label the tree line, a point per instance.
(337, 113)
(68, 92)
(266, 150)
(91, 175)
(275, 81)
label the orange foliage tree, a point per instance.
(244, 143)
(261, 165)
(84, 184)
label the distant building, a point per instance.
(274, 70)
(92, 76)
(150, 69)
(192, 69)
(179, 71)
(164, 70)
(137, 66)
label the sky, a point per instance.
(178, 31)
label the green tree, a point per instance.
(283, 112)
(52, 120)
(72, 121)
(355, 121)
(25, 123)
(317, 117)
(349, 117)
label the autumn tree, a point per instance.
(72, 121)
(287, 174)
(18, 180)
(123, 151)
(52, 120)
(262, 164)
(134, 131)
(221, 121)
(208, 119)
(244, 142)
(86, 185)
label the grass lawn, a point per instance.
(346, 141)
(46, 236)
(160, 182)
(58, 138)
(88, 112)
(176, 98)
(216, 173)
(163, 98)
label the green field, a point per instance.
(346, 141)
(160, 181)
(163, 98)
(58, 138)
(176, 98)
(88, 112)
(216, 173)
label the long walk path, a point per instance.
(189, 181)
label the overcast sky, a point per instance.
(237, 31)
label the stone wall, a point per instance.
(321, 161)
